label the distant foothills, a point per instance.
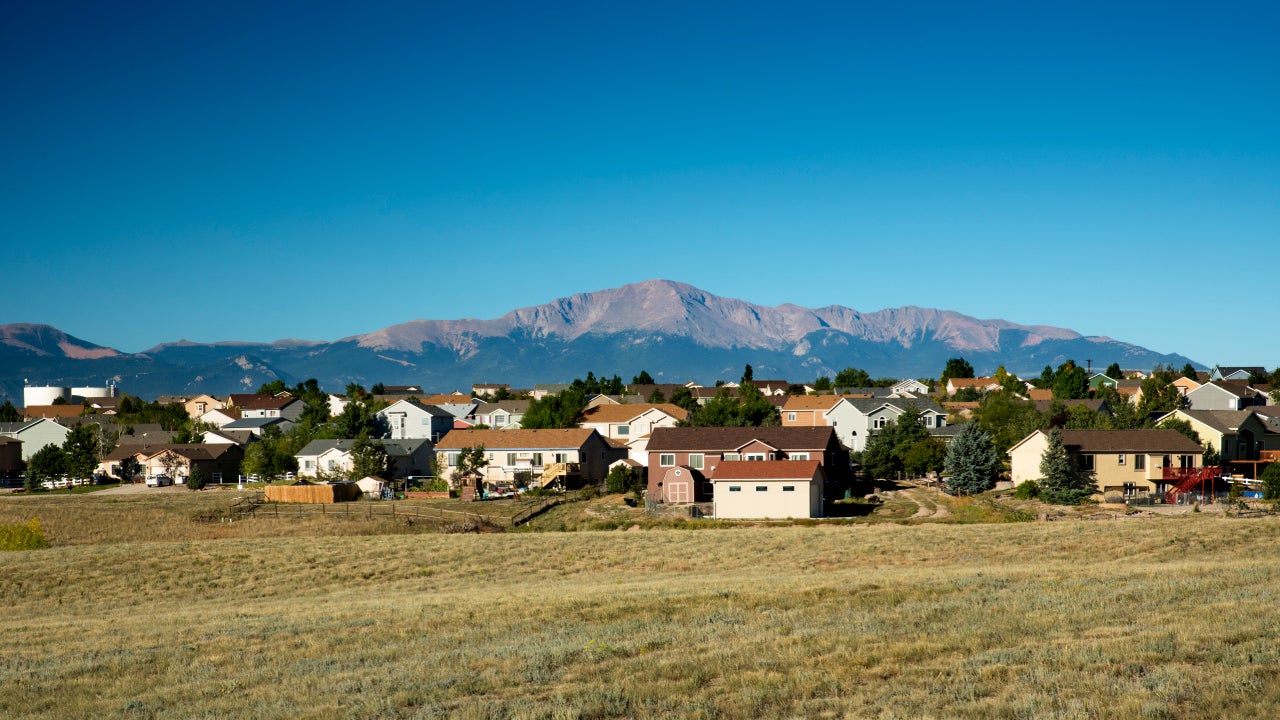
(674, 330)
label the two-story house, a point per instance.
(697, 451)
(1224, 395)
(572, 456)
(1132, 462)
(502, 415)
(413, 420)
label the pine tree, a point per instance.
(972, 462)
(1062, 483)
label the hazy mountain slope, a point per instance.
(675, 331)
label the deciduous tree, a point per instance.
(956, 368)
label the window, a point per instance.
(800, 456)
(762, 488)
(735, 488)
(879, 423)
(426, 421)
(754, 457)
(788, 488)
(560, 457)
(1167, 462)
(537, 459)
(695, 461)
(452, 459)
(511, 459)
(1186, 462)
(928, 421)
(732, 457)
(667, 460)
(1120, 459)
(499, 420)
(1086, 462)
(624, 430)
(1130, 490)
(1139, 462)
(791, 417)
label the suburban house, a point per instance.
(1186, 385)
(774, 388)
(1224, 395)
(1234, 372)
(700, 450)
(572, 456)
(220, 417)
(982, 384)
(909, 387)
(768, 490)
(872, 414)
(35, 434)
(627, 422)
(224, 437)
(1132, 462)
(833, 411)
(1239, 436)
(1044, 406)
(10, 456)
(220, 463)
(500, 415)
(285, 407)
(1097, 381)
(259, 425)
(411, 419)
(333, 458)
(201, 404)
(480, 389)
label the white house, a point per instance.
(411, 420)
(768, 489)
(629, 421)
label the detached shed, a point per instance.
(313, 494)
(768, 489)
(372, 486)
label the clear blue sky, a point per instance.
(269, 170)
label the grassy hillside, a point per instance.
(1164, 617)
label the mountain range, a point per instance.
(675, 331)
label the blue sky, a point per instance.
(273, 170)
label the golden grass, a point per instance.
(1154, 618)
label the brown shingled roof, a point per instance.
(1117, 441)
(515, 439)
(624, 413)
(728, 438)
(766, 470)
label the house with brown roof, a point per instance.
(627, 422)
(285, 407)
(220, 463)
(1131, 462)
(701, 449)
(1239, 436)
(52, 412)
(572, 456)
(982, 384)
(768, 490)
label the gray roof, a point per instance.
(456, 410)
(433, 410)
(728, 438)
(394, 448)
(252, 423)
(868, 405)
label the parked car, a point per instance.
(159, 481)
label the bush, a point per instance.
(1028, 490)
(438, 485)
(197, 479)
(1271, 482)
(23, 536)
(621, 479)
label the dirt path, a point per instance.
(929, 503)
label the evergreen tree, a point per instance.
(1271, 481)
(683, 398)
(656, 397)
(972, 462)
(1061, 482)
(1114, 372)
(748, 375)
(642, 379)
(852, 377)
(48, 463)
(1189, 371)
(956, 368)
(197, 479)
(822, 384)
(9, 413)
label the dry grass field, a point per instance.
(161, 617)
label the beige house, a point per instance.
(571, 456)
(768, 490)
(627, 422)
(1132, 462)
(201, 404)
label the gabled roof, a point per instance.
(1235, 388)
(196, 452)
(728, 438)
(254, 423)
(394, 448)
(1141, 441)
(262, 402)
(627, 413)
(447, 399)
(766, 470)
(431, 410)
(869, 405)
(52, 411)
(518, 407)
(806, 403)
(1223, 421)
(568, 438)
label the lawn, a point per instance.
(1161, 617)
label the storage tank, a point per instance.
(92, 393)
(44, 394)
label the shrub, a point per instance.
(438, 485)
(1028, 490)
(23, 536)
(1271, 482)
(197, 479)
